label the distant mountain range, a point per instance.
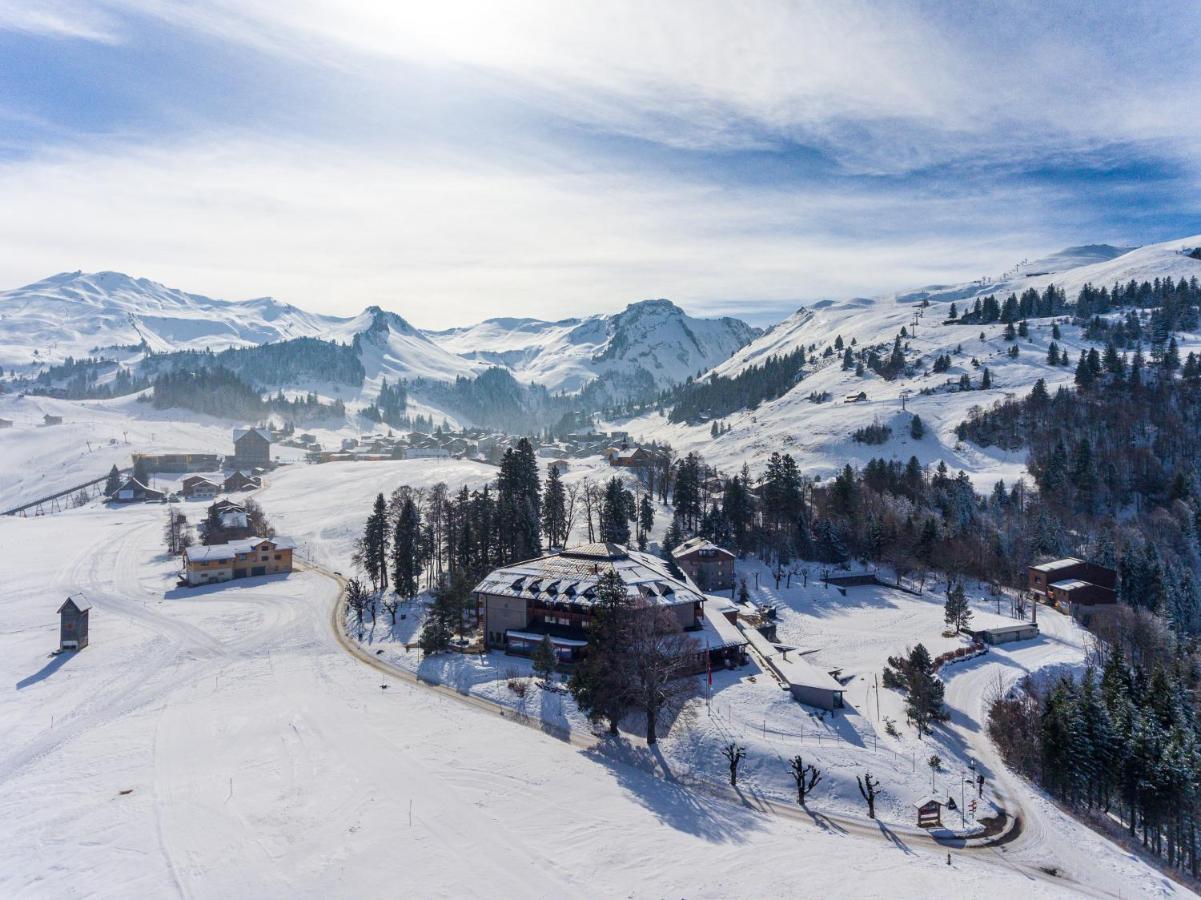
(117, 316)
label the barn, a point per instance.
(73, 623)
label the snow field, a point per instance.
(261, 759)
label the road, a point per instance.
(965, 697)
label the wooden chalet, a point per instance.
(197, 487)
(248, 558)
(240, 481)
(133, 491)
(710, 566)
(252, 448)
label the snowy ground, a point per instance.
(221, 743)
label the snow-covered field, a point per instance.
(221, 743)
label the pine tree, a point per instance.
(554, 509)
(544, 661)
(957, 612)
(646, 520)
(602, 683)
(406, 550)
(917, 430)
(112, 482)
(375, 545)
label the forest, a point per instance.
(219, 392)
(284, 362)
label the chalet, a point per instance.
(177, 462)
(240, 481)
(1072, 593)
(48, 419)
(252, 448)
(710, 566)
(558, 466)
(555, 595)
(73, 623)
(228, 522)
(1040, 577)
(133, 491)
(197, 487)
(1073, 584)
(861, 397)
(248, 558)
(6, 423)
(638, 458)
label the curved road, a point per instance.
(994, 849)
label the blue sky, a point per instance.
(462, 160)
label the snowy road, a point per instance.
(222, 743)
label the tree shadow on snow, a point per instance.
(645, 775)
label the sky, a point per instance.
(460, 160)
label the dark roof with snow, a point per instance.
(571, 576)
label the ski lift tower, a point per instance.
(905, 392)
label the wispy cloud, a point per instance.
(553, 158)
(59, 19)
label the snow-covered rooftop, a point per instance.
(571, 576)
(1057, 564)
(233, 548)
(699, 543)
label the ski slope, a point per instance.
(220, 743)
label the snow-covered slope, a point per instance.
(819, 434)
(392, 348)
(1071, 269)
(653, 335)
(73, 313)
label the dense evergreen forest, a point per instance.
(281, 363)
(219, 392)
(718, 395)
(79, 379)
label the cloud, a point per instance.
(59, 19)
(881, 87)
(455, 159)
(447, 239)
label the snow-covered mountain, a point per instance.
(654, 335)
(114, 315)
(73, 313)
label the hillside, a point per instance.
(818, 434)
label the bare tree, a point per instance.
(806, 777)
(571, 494)
(867, 787)
(175, 533)
(391, 603)
(592, 496)
(734, 754)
